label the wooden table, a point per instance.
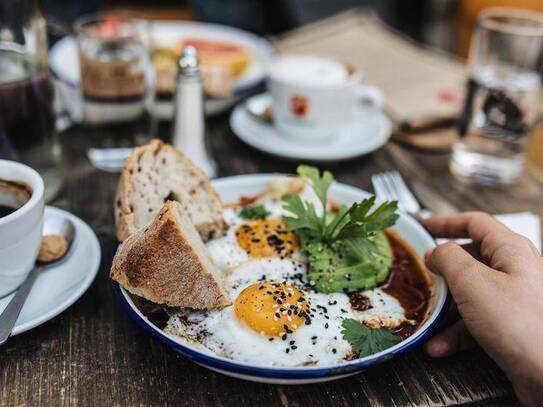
(93, 354)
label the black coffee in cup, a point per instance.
(13, 195)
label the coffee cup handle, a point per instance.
(370, 97)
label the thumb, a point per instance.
(464, 274)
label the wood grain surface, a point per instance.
(93, 354)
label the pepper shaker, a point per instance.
(189, 123)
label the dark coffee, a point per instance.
(13, 195)
(6, 210)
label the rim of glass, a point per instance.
(511, 21)
(83, 23)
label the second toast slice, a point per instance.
(167, 263)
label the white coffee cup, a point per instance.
(313, 96)
(21, 230)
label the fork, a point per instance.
(390, 186)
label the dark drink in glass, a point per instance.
(27, 120)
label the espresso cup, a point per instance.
(313, 96)
(20, 226)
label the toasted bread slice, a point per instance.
(167, 263)
(158, 172)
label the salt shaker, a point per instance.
(189, 124)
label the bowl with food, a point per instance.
(271, 278)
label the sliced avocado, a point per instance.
(334, 269)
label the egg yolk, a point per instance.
(272, 309)
(266, 238)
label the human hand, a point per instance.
(497, 285)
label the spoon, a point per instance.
(53, 225)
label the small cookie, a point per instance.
(52, 248)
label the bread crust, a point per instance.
(126, 194)
(162, 263)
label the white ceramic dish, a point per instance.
(64, 62)
(231, 189)
(59, 287)
(364, 133)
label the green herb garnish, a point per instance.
(347, 250)
(254, 212)
(366, 341)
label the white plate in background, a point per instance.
(64, 61)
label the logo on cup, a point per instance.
(299, 105)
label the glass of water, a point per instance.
(117, 85)
(503, 91)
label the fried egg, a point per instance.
(251, 239)
(258, 328)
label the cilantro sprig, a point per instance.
(346, 250)
(254, 212)
(366, 341)
(355, 222)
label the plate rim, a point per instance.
(82, 288)
(261, 43)
(228, 365)
(240, 113)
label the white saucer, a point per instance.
(59, 287)
(367, 131)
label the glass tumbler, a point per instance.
(503, 91)
(117, 85)
(27, 119)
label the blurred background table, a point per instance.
(92, 354)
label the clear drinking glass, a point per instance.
(27, 119)
(117, 85)
(503, 91)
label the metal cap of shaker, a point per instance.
(188, 63)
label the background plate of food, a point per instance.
(271, 278)
(226, 52)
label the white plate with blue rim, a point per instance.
(64, 62)
(231, 189)
(364, 132)
(59, 287)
